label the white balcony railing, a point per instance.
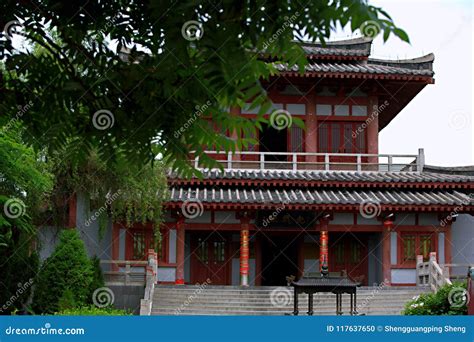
(291, 161)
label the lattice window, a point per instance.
(323, 137)
(219, 251)
(296, 138)
(417, 244)
(409, 248)
(341, 137)
(139, 245)
(355, 253)
(203, 250)
(425, 246)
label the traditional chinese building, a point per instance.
(301, 200)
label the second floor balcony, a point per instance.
(302, 161)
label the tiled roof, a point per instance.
(356, 67)
(324, 51)
(351, 56)
(349, 47)
(339, 176)
(319, 196)
(452, 170)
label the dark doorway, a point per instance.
(279, 259)
(273, 140)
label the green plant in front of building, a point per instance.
(93, 311)
(66, 279)
(448, 300)
(25, 184)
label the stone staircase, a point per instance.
(269, 300)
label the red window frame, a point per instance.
(130, 253)
(340, 128)
(418, 237)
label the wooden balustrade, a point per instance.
(298, 161)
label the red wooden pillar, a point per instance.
(244, 252)
(180, 240)
(258, 260)
(115, 245)
(235, 134)
(373, 129)
(311, 132)
(386, 264)
(323, 247)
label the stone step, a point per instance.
(235, 300)
(271, 288)
(249, 293)
(259, 313)
(263, 301)
(230, 310)
(228, 299)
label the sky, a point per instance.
(440, 118)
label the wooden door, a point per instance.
(339, 137)
(209, 259)
(349, 254)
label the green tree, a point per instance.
(123, 191)
(186, 60)
(25, 183)
(65, 277)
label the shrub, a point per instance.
(97, 276)
(67, 300)
(439, 303)
(93, 311)
(68, 269)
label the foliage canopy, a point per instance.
(174, 71)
